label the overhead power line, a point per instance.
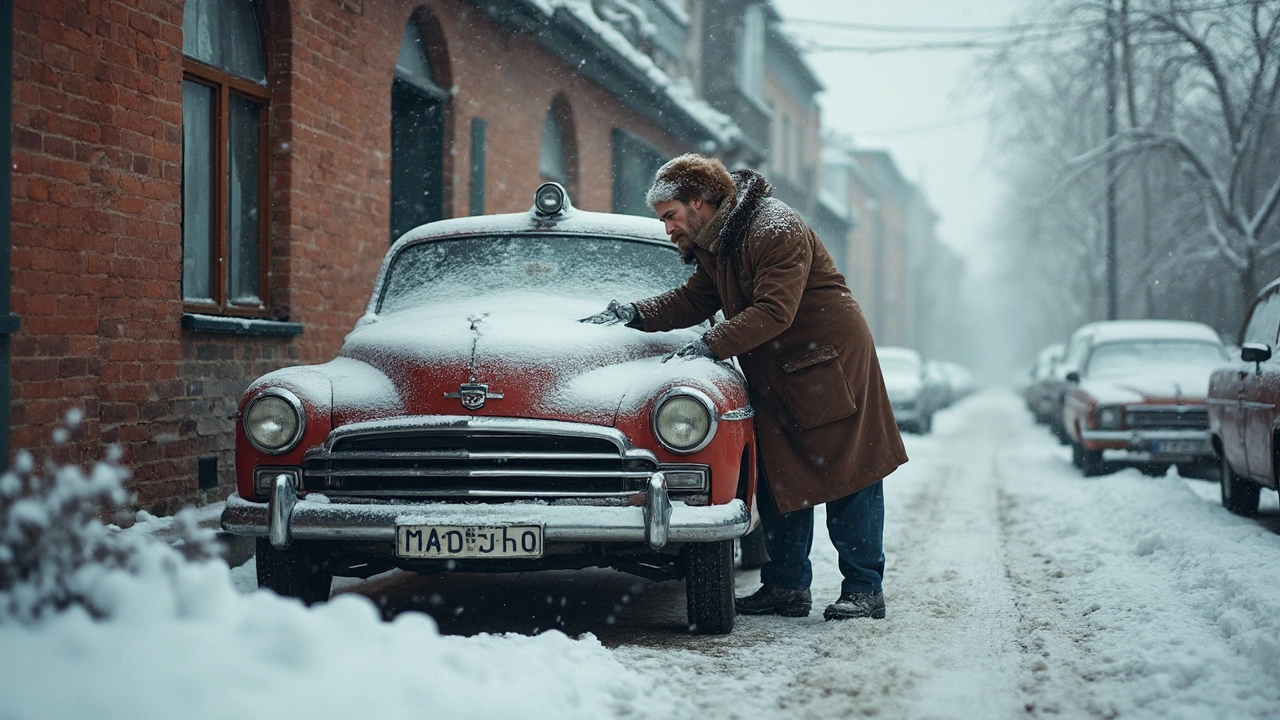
(935, 29)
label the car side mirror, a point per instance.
(1255, 352)
(1073, 377)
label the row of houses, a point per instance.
(202, 190)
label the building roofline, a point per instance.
(588, 45)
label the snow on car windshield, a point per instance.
(594, 268)
(1126, 357)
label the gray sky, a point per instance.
(921, 105)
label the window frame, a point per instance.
(224, 85)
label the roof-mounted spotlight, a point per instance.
(551, 199)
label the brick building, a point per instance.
(202, 191)
(795, 146)
(907, 282)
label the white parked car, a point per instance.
(913, 394)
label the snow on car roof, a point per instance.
(899, 352)
(571, 220)
(1112, 330)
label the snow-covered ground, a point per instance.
(1015, 588)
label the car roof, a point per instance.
(901, 352)
(1052, 351)
(570, 221)
(1113, 330)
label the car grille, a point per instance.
(478, 463)
(1167, 417)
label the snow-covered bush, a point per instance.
(55, 549)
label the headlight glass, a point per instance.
(1108, 418)
(683, 423)
(273, 423)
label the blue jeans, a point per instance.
(855, 524)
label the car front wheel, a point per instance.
(1238, 495)
(296, 571)
(708, 586)
(1089, 461)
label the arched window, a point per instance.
(558, 161)
(417, 135)
(224, 136)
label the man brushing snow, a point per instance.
(824, 425)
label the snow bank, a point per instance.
(103, 623)
(208, 652)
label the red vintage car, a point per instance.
(1137, 392)
(470, 422)
(1244, 408)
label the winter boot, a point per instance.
(856, 605)
(775, 601)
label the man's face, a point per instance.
(683, 221)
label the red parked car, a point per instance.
(471, 423)
(1244, 418)
(1137, 390)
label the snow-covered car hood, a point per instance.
(1185, 384)
(529, 349)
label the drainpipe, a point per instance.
(8, 321)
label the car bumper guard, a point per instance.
(1150, 441)
(285, 517)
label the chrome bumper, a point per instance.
(286, 517)
(1150, 440)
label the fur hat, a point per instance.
(691, 175)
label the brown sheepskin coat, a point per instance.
(823, 420)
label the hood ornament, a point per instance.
(473, 395)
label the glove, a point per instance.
(696, 349)
(614, 314)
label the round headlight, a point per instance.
(1109, 418)
(549, 199)
(684, 420)
(274, 421)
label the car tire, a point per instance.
(295, 571)
(708, 584)
(1091, 464)
(926, 424)
(754, 554)
(1238, 494)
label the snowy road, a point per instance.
(1015, 588)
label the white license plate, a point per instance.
(468, 541)
(1181, 447)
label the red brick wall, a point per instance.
(97, 257)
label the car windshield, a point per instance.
(590, 268)
(1128, 356)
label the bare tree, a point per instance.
(1196, 153)
(1223, 62)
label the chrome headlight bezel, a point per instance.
(1108, 417)
(276, 394)
(703, 400)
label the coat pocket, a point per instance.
(815, 388)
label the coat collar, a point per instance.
(752, 190)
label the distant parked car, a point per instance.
(912, 391)
(1057, 384)
(959, 379)
(1140, 388)
(1244, 408)
(1039, 389)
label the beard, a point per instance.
(685, 240)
